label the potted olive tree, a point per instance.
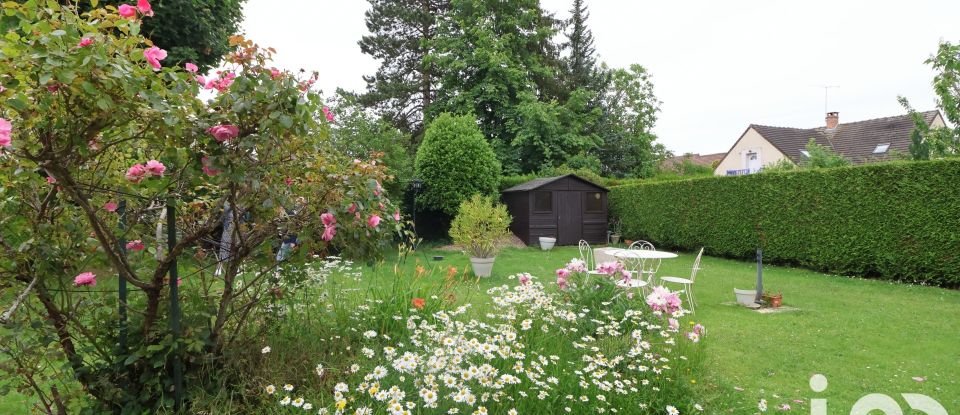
(478, 228)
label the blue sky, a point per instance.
(717, 66)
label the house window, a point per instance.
(543, 201)
(881, 148)
(594, 202)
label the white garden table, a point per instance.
(639, 256)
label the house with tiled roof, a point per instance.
(860, 142)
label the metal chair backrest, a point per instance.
(642, 245)
(696, 266)
(586, 255)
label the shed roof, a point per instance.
(543, 181)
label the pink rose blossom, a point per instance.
(51, 179)
(663, 300)
(221, 84)
(135, 245)
(207, 169)
(144, 7)
(127, 11)
(154, 55)
(201, 80)
(328, 233)
(136, 173)
(6, 128)
(85, 278)
(275, 73)
(328, 219)
(85, 42)
(610, 268)
(353, 208)
(396, 215)
(562, 283)
(563, 273)
(155, 168)
(110, 206)
(191, 67)
(373, 221)
(224, 132)
(327, 113)
(524, 279)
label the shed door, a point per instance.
(569, 218)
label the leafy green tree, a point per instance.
(360, 134)
(402, 34)
(822, 157)
(630, 109)
(491, 55)
(194, 31)
(455, 162)
(928, 142)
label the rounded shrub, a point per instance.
(455, 162)
(480, 224)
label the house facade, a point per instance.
(860, 142)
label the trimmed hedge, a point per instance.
(896, 221)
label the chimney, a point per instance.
(833, 120)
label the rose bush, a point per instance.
(96, 136)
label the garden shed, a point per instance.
(568, 208)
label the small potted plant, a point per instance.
(615, 228)
(773, 300)
(478, 228)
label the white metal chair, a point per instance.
(586, 255)
(687, 283)
(646, 267)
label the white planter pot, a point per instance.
(482, 266)
(547, 243)
(745, 297)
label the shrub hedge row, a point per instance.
(897, 221)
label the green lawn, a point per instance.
(865, 336)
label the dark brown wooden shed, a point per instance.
(568, 208)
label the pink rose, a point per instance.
(352, 209)
(275, 73)
(6, 128)
(85, 42)
(373, 221)
(396, 215)
(127, 11)
(191, 67)
(207, 169)
(154, 55)
(144, 7)
(110, 206)
(85, 278)
(136, 173)
(327, 113)
(563, 273)
(224, 132)
(155, 168)
(51, 179)
(201, 80)
(328, 219)
(135, 245)
(562, 283)
(328, 233)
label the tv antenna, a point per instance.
(826, 95)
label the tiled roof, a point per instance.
(855, 141)
(704, 160)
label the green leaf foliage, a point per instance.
(455, 162)
(894, 221)
(480, 224)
